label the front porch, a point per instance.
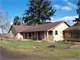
(41, 35)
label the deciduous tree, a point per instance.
(4, 22)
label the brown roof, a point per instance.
(75, 27)
(33, 28)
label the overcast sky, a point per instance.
(65, 9)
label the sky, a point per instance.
(65, 9)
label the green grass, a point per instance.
(32, 47)
(32, 44)
(22, 44)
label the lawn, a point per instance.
(60, 50)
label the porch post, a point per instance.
(37, 35)
(27, 35)
(47, 35)
(24, 35)
(44, 38)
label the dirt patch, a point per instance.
(8, 55)
(76, 45)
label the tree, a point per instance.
(39, 12)
(16, 20)
(78, 11)
(4, 22)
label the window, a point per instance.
(76, 34)
(56, 32)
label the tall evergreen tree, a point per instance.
(78, 11)
(16, 20)
(39, 12)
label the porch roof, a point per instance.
(73, 28)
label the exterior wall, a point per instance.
(11, 34)
(15, 35)
(60, 28)
(18, 36)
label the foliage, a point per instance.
(78, 10)
(39, 12)
(16, 21)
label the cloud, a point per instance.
(66, 18)
(11, 23)
(71, 5)
(57, 6)
(67, 6)
(65, 0)
(64, 8)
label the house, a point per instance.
(73, 33)
(49, 31)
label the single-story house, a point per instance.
(49, 31)
(73, 33)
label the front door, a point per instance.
(50, 35)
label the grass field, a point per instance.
(41, 49)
